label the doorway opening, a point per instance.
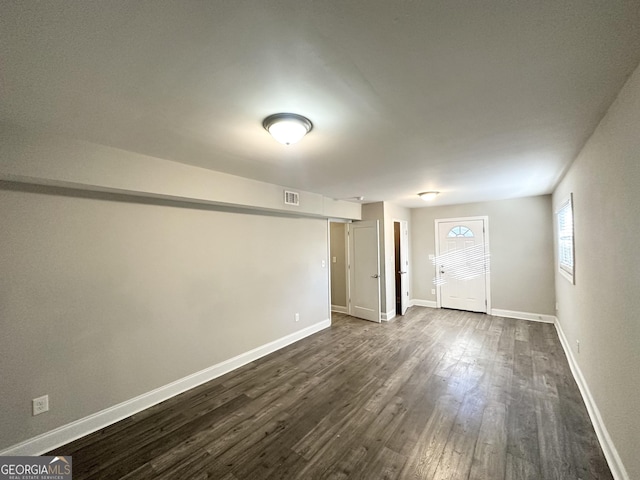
(354, 257)
(401, 265)
(398, 267)
(364, 270)
(338, 264)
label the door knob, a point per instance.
(375, 276)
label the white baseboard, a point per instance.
(534, 317)
(610, 452)
(339, 309)
(386, 316)
(84, 426)
(422, 303)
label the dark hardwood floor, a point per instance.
(436, 394)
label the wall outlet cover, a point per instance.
(40, 405)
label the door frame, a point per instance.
(404, 249)
(487, 250)
(332, 307)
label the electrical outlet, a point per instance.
(578, 345)
(433, 291)
(40, 405)
(297, 317)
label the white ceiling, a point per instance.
(480, 100)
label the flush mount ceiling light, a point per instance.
(427, 196)
(287, 128)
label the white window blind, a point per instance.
(565, 238)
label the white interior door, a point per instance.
(461, 264)
(404, 263)
(364, 270)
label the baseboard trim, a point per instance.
(339, 309)
(385, 317)
(84, 426)
(610, 452)
(422, 303)
(534, 317)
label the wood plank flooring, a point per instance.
(436, 394)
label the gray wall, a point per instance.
(105, 298)
(602, 309)
(338, 243)
(521, 248)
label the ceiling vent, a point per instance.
(291, 198)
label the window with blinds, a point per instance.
(566, 261)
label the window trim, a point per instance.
(566, 237)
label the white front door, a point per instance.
(364, 270)
(462, 264)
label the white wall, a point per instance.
(602, 309)
(521, 248)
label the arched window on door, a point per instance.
(460, 231)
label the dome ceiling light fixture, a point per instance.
(428, 196)
(287, 128)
